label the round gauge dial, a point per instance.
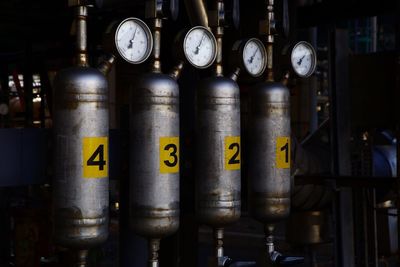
(200, 47)
(303, 59)
(134, 40)
(254, 57)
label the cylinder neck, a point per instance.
(154, 246)
(177, 70)
(81, 258)
(156, 67)
(270, 40)
(269, 230)
(81, 13)
(219, 243)
(219, 34)
(106, 65)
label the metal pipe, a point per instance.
(156, 68)
(106, 65)
(270, 40)
(177, 70)
(81, 36)
(219, 34)
(154, 247)
(197, 12)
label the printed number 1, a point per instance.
(283, 152)
(286, 149)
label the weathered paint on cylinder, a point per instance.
(218, 130)
(154, 162)
(269, 182)
(80, 199)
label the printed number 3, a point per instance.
(99, 152)
(172, 154)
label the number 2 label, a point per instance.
(169, 154)
(95, 157)
(232, 153)
(283, 152)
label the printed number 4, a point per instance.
(172, 154)
(286, 149)
(100, 162)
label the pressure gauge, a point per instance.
(200, 47)
(303, 59)
(254, 57)
(134, 40)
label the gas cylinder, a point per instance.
(269, 164)
(154, 147)
(218, 151)
(154, 127)
(81, 151)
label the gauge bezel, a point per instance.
(263, 52)
(314, 59)
(214, 43)
(149, 37)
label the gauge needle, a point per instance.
(252, 57)
(201, 41)
(133, 38)
(301, 59)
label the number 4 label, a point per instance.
(283, 152)
(232, 153)
(95, 157)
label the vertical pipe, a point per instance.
(313, 87)
(270, 40)
(156, 68)
(81, 36)
(219, 33)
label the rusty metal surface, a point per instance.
(154, 204)
(218, 116)
(270, 186)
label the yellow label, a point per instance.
(232, 153)
(283, 152)
(95, 157)
(169, 154)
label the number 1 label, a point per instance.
(283, 152)
(95, 157)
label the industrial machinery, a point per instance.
(81, 154)
(154, 143)
(269, 164)
(218, 164)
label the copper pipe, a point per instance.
(157, 45)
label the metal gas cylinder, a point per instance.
(154, 163)
(81, 153)
(269, 164)
(218, 151)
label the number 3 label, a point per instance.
(283, 153)
(232, 153)
(95, 157)
(169, 154)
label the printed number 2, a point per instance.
(232, 153)
(283, 152)
(169, 154)
(95, 157)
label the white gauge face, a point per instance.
(200, 47)
(303, 59)
(133, 40)
(254, 57)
